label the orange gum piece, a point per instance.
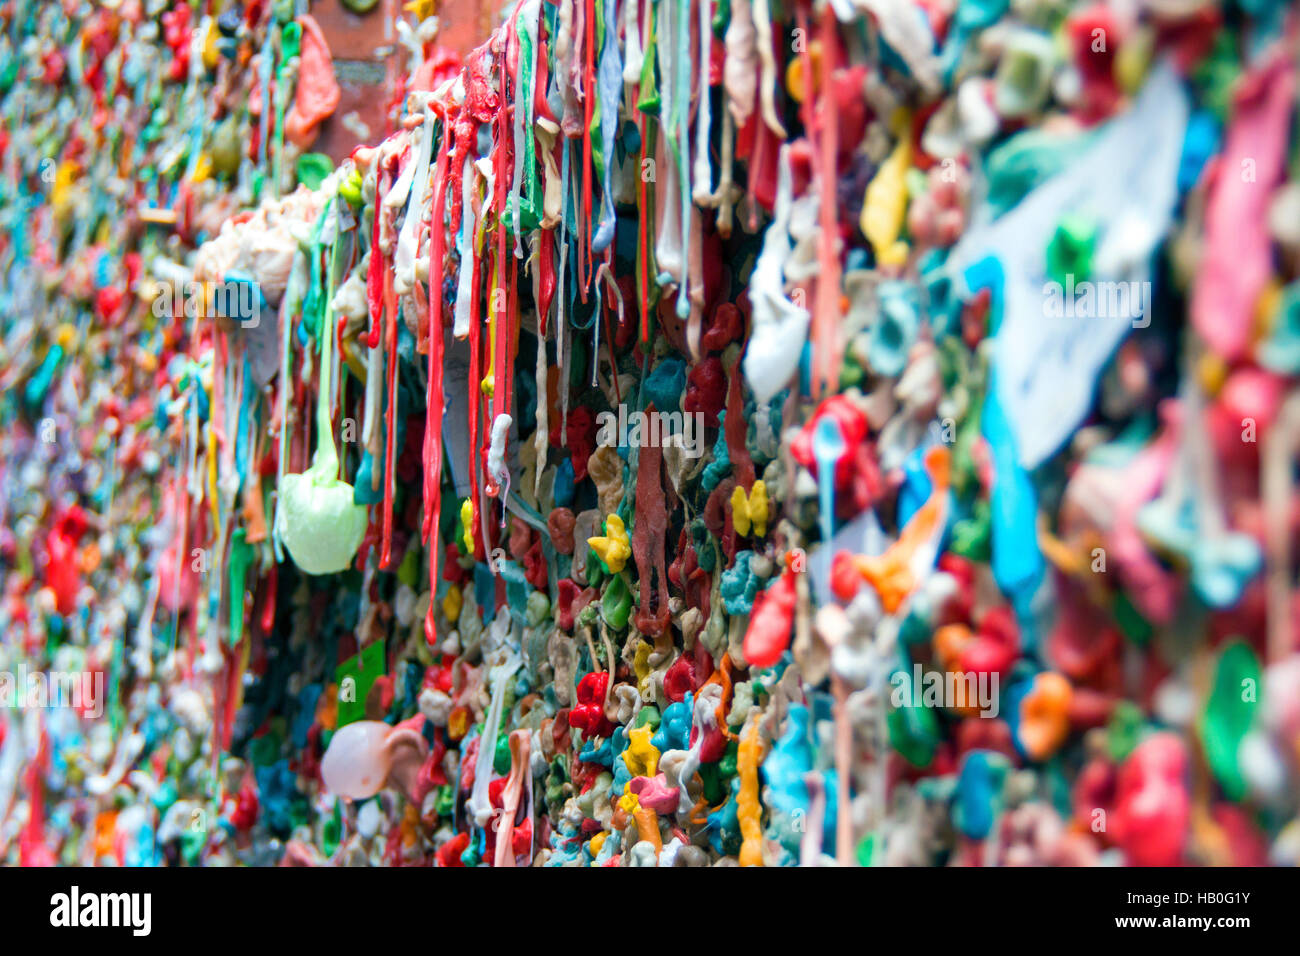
(891, 573)
(695, 817)
(722, 675)
(748, 809)
(647, 827)
(1045, 721)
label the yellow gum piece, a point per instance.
(488, 385)
(1212, 372)
(614, 548)
(885, 206)
(202, 169)
(353, 359)
(60, 194)
(758, 512)
(212, 474)
(1060, 554)
(739, 511)
(641, 663)
(750, 512)
(451, 603)
(458, 723)
(1266, 309)
(467, 519)
(211, 55)
(423, 9)
(641, 756)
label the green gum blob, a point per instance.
(914, 734)
(616, 604)
(1229, 715)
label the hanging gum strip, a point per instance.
(375, 273)
(494, 356)
(607, 273)
(828, 279)
(520, 750)
(649, 536)
(643, 240)
(512, 332)
(1236, 258)
(501, 127)
(433, 466)
(434, 397)
(476, 363)
(390, 419)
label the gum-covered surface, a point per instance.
(729, 432)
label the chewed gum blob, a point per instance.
(323, 527)
(356, 763)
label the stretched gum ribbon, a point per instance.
(827, 314)
(702, 192)
(408, 240)
(434, 399)
(476, 355)
(668, 252)
(376, 270)
(681, 116)
(290, 304)
(695, 286)
(541, 437)
(511, 345)
(588, 8)
(462, 189)
(649, 537)
(635, 58)
(643, 242)
(610, 87)
(479, 806)
(1150, 586)
(607, 274)
(502, 156)
(522, 104)
(739, 70)
(520, 750)
(564, 59)
(1236, 259)
(390, 418)
(767, 62)
(561, 351)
